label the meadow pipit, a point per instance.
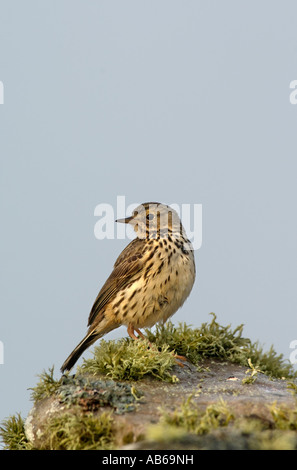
(151, 278)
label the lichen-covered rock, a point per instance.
(135, 413)
(78, 395)
(228, 394)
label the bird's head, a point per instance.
(152, 219)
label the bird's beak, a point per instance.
(127, 220)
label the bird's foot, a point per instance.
(132, 335)
(179, 358)
(131, 332)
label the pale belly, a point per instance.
(160, 295)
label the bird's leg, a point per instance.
(132, 335)
(178, 359)
(140, 333)
(130, 331)
(181, 358)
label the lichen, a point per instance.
(92, 393)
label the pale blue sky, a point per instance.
(170, 101)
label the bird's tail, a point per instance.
(87, 341)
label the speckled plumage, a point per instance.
(151, 278)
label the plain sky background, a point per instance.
(161, 100)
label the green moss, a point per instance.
(251, 373)
(284, 418)
(46, 385)
(132, 360)
(12, 432)
(164, 433)
(293, 387)
(126, 359)
(212, 340)
(192, 419)
(265, 435)
(79, 432)
(65, 432)
(209, 340)
(278, 432)
(270, 362)
(186, 424)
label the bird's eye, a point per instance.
(150, 216)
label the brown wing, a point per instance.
(128, 264)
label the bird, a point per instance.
(150, 281)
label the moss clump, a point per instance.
(192, 419)
(126, 359)
(12, 431)
(132, 360)
(79, 432)
(64, 432)
(278, 432)
(293, 387)
(251, 373)
(214, 340)
(46, 386)
(270, 363)
(67, 431)
(284, 418)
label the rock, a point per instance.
(137, 406)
